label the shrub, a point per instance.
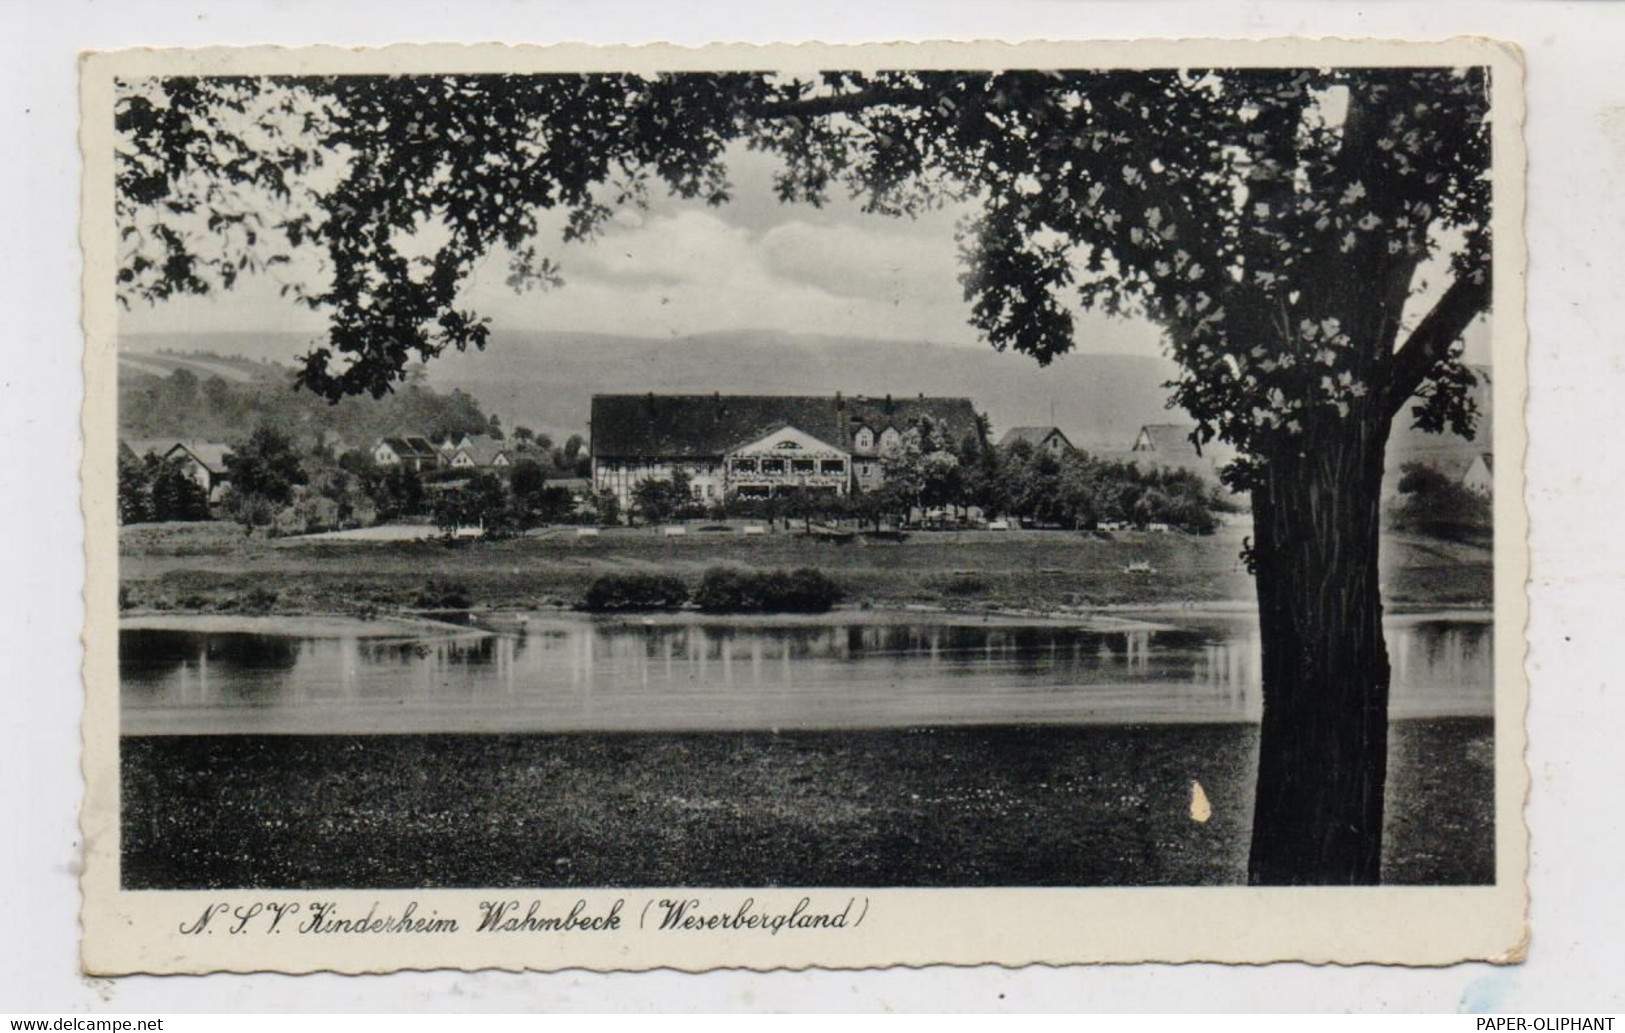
(966, 584)
(443, 595)
(729, 590)
(258, 600)
(612, 592)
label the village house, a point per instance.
(417, 453)
(755, 446)
(1170, 446)
(478, 452)
(1042, 439)
(204, 461)
(1479, 477)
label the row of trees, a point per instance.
(1077, 490)
(923, 473)
(503, 508)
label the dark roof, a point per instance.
(682, 426)
(412, 447)
(212, 454)
(483, 449)
(1169, 440)
(1033, 435)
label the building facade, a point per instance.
(415, 452)
(757, 446)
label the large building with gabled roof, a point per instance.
(760, 445)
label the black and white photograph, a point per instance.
(810, 483)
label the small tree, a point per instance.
(399, 493)
(483, 502)
(175, 494)
(1431, 503)
(660, 499)
(1419, 479)
(265, 467)
(134, 491)
(528, 484)
(606, 507)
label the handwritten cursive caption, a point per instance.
(500, 916)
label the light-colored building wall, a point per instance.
(621, 476)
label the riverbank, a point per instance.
(215, 568)
(982, 806)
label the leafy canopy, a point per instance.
(1272, 221)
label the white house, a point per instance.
(478, 452)
(1479, 477)
(415, 452)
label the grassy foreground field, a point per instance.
(991, 806)
(214, 567)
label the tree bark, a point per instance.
(1323, 745)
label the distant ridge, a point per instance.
(546, 379)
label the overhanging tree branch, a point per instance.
(1466, 299)
(835, 104)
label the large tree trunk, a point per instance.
(1323, 745)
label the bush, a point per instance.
(729, 590)
(613, 592)
(966, 585)
(443, 595)
(1449, 511)
(258, 600)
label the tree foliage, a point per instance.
(1224, 204)
(265, 466)
(658, 499)
(153, 487)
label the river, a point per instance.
(552, 673)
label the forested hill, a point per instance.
(221, 398)
(546, 379)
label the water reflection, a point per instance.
(580, 674)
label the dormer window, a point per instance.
(864, 439)
(890, 439)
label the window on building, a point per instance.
(833, 467)
(772, 466)
(744, 466)
(802, 466)
(865, 438)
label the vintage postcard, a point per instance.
(771, 507)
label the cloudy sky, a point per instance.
(681, 267)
